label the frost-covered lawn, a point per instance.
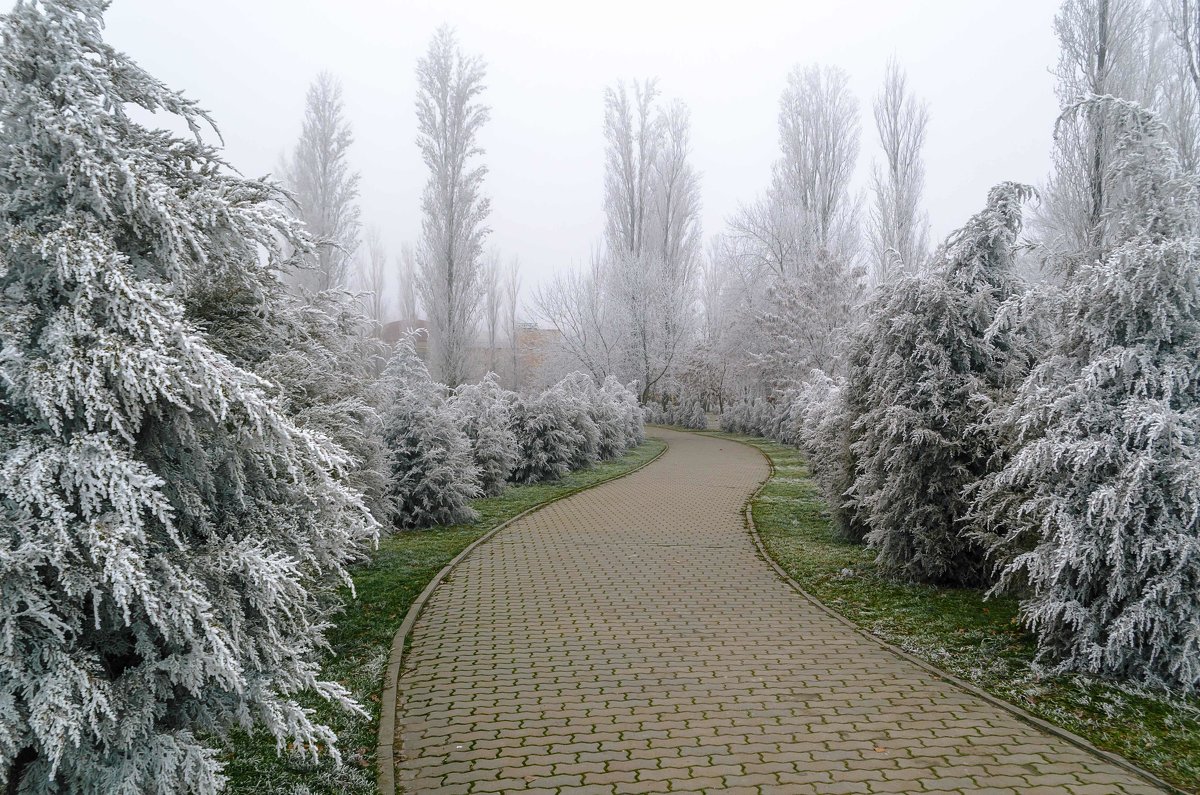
(956, 629)
(362, 638)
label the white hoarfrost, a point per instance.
(821, 423)
(486, 410)
(172, 537)
(547, 438)
(928, 371)
(1096, 514)
(433, 475)
(454, 209)
(573, 424)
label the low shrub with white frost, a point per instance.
(546, 437)
(929, 372)
(486, 409)
(433, 474)
(576, 395)
(631, 410)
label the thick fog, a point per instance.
(983, 67)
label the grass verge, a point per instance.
(957, 630)
(362, 637)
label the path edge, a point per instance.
(385, 741)
(961, 684)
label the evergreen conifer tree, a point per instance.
(433, 473)
(486, 410)
(1096, 511)
(171, 538)
(931, 373)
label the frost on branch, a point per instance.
(172, 536)
(572, 425)
(1098, 510)
(626, 399)
(433, 472)
(322, 359)
(821, 420)
(578, 396)
(928, 371)
(486, 411)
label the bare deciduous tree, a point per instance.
(1183, 19)
(766, 234)
(406, 283)
(492, 304)
(372, 277)
(324, 188)
(1104, 49)
(512, 298)
(819, 134)
(676, 197)
(582, 307)
(899, 235)
(652, 206)
(800, 244)
(454, 210)
(632, 135)
(1180, 99)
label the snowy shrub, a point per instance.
(765, 417)
(547, 439)
(572, 425)
(578, 397)
(625, 397)
(327, 364)
(680, 411)
(690, 414)
(736, 416)
(821, 421)
(933, 371)
(775, 419)
(1096, 513)
(671, 412)
(322, 358)
(750, 415)
(609, 412)
(655, 414)
(433, 472)
(173, 539)
(486, 411)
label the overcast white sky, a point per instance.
(983, 66)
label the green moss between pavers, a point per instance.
(958, 630)
(361, 640)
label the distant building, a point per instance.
(534, 346)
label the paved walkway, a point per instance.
(629, 639)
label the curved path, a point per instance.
(630, 639)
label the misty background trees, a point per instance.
(453, 208)
(324, 189)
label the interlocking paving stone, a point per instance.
(630, 639)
